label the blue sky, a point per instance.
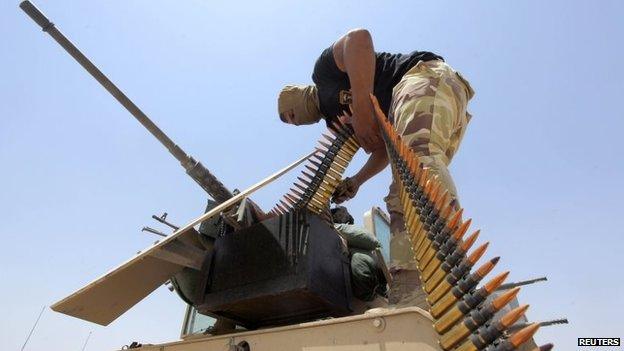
(540, 169)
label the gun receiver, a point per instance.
(193, 168)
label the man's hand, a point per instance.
(346, 190)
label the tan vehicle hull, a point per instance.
(379, 329)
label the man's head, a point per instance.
(299, 104)
(340, 214)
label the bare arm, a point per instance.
(377, 161)
(354, 54)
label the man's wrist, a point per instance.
(362, 107)
(357, 179)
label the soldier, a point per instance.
(367, 278)
(423, 97)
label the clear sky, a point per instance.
(540, 170)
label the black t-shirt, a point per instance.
(389, 69)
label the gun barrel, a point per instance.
(519, 326)
(521, 283)
(193, 168)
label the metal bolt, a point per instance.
(379, 323)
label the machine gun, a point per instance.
(289, 267)
(194, 168)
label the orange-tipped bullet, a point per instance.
(423, 242)
(488, 334)
(455, 219)
(444, 244)
(442, 201)
(446, 251)
(449, 261)
(475, 319)
(424, 178)
(517, 339)
(466, 304)
(453, 274)
(462, 287)
(381, 117)
(456, 280)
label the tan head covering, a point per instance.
(303, 100)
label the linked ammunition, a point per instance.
(314, 171)
(442, 200)
(279, 209)
(475, 319)
(286, 205)
(443, 243)
(489, 333)
(323, 167)
(447, 279)
(449, 261)
(441, 257)
(330, 182)
(291, 200)
(418, 206)
(313, 186)
(323, 172)
(426, 238)
(466, 304)
(336, 150)
(341, 158)
(344, 136)
(306, 188)
(331, 161)
(435, 220)
(439, 219)
(461, 288)
(433, 217)
(517, 339)
(418, 191)
(297, 191)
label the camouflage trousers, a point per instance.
(429, 111)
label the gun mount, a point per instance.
(286, 269)
(230, 272)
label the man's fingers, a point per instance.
(340, 199)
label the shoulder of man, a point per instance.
(325, 67)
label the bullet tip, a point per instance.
(524, 334)
(504, 299)
(512, 316)
(477, 253)
(496, 282)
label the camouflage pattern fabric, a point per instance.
(429, 111)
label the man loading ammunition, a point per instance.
(425, 100)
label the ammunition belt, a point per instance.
(463, 314)
(323, 173)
